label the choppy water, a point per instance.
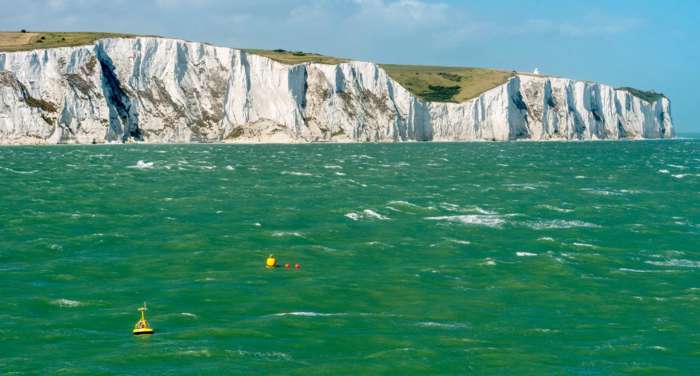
(507, 258)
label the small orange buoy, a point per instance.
(297, 266)
(286, 266)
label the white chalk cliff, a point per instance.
(167, 91)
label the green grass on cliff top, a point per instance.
(431, 83)
(18, 41)
(439, 84)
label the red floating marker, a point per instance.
(297, 266)
(286, 266)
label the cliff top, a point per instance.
(431, 83)
(29, 40)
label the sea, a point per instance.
(546, 258)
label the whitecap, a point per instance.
(545, 239)
(522, 186)
(340, 173)
(197, 353)
(402, 203)
(142, 165)
(373, 214)
(333, 167)
(680, 176)
(353, 216)
(287, 233)
(555, 208)
(309, 314)
(432, 324)
(601, 192)
(559, 224)
(676, 262)
(297, 173)
(488, 261)
(544, 330)
(525, 254)
(187, 314)
(449, 206)
(229, 167)
(56, 247)
(269, 356)
(19, 172)
(586, 245)
(645, 271)
(664, 171)
(465, 242)
(66, 303)
(472, 219)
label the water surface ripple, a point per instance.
(544, 258)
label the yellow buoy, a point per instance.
(142, 326)
(271, 262)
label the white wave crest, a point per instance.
(645, 271)
(525, 254)
(559, 224)
(309, 314)
(373, 214)
(402, 203)
(280, 234)
(472, 219)
(142, 165)
(205, 353)
(66, 303)
(555, 208)
(269, 356)
(432, 324)
(296, 173)
(19, 172)
(367, 213)
(676, 262)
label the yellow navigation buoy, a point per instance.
(142, 326)
(271, 262)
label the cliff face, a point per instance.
(163, 90)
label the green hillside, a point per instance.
(25, 41)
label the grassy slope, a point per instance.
(445, 84)
(440, 84)
(649, 96)
(295, 57)
(15, 41)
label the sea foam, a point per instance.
(472, 219)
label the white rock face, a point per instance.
(167, 91)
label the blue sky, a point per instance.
(645, 44)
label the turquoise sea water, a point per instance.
(465, 258)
